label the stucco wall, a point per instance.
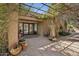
(43, 28)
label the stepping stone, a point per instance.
(74, 48)
(76, 36)
(70, 52)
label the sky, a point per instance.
(38, 5)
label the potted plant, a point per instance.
(22, 42)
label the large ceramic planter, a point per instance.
(15, 51)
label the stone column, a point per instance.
(13, 25)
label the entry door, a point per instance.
(29, 28)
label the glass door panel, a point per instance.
(21, 27)
(25, 28)
(30, 28)
(35, 28)
(20, 30)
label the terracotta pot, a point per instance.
(24, 46)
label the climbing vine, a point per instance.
(3, 27)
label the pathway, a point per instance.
(41, 46)
(35, 45)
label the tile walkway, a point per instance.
(34, 47)
(41, 46)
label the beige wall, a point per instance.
(43, 28)
(40, 29)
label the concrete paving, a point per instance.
(39, 46)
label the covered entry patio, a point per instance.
(48, 29)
